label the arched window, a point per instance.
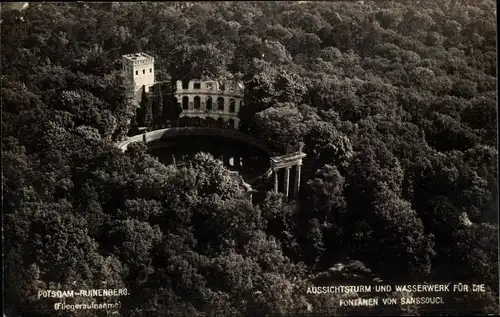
(241, 103)
(185, 102)
(220, 103)
(220, 121)
(232, 105)
(209, 103)
(230, 123)
(197, 102)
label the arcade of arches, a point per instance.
(209, 111)
(226, 106)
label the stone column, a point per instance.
(287, 181)
(226, 105)
(296, 187)
(203, 104)
(276, 181)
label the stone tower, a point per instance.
(140, 68)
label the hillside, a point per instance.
(395, 102)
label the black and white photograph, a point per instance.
(249, 158)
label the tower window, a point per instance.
(137, 72)
(144, 71)
(150, 70)
(232, 105)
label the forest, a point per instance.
(394, 101)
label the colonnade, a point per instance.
(286, 181)
(287, 163)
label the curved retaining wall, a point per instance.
(157, 135)
(277, 162)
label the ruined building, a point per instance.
(200, 103)
(203, 103)
(217, 104)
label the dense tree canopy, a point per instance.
(394, 102)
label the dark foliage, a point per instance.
(396, 106)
